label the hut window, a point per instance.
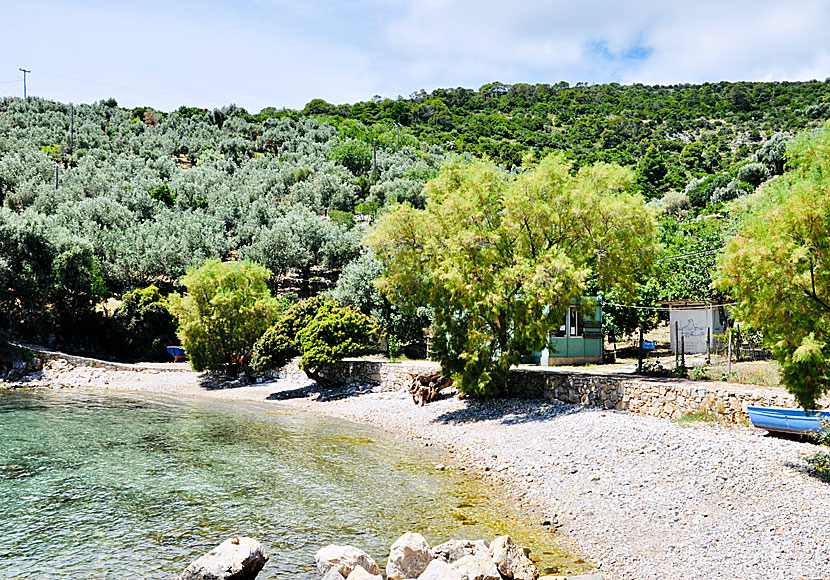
(575, 320)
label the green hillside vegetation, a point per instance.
(99, 201)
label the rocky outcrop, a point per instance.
(344, 559)
(236, 558)
(511, 560)
(409, 557)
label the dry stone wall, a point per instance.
(658, 397)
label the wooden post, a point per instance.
(676, 342)
(640, 352)
(738, 343)
(729, 357)
(708, 343)
(683, 351)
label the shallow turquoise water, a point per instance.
(95, 485)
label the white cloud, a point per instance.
(260, 53)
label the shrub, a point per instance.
(321, 331)
(143, 326)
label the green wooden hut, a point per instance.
(578, 341)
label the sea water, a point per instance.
(98, 485)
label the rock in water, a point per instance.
(344, 559)
(409, 557)
(511, 561)
(477, 567)
(440, 570)
(457, 549)
(236, 558)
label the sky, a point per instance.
(275, 53)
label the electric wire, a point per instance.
(669, 309)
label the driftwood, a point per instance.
(426, 388)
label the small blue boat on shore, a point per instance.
(786, 420)
(177, 353)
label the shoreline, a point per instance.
(640, 497)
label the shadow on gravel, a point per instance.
(508, 411)
(213, 381)
(317, 393)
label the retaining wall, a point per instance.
(658, 397)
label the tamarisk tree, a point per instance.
(777, 267)
(499, 258)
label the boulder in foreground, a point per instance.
(344, 559)
(236, 558)
(511, 560)
(409, 557)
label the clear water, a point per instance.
(95, 485)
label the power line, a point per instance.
(690, 254)
(665, 309)
(127, 87)
(10, 82)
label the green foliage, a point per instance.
(335, 332)
(321, 331)
(227, 308)
(163, 194)
(354, 156)
(50, 280)
(499, 258)
(143, 326)
(775, 267)
(753, 173)
(356, 287)
(819, 462)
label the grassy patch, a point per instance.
(697, 419)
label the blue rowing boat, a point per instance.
(786, 420)
(177, 353)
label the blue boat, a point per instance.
(786, 420)
(177, 353)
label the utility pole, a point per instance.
(72, 129)
(24, 71)
(375, 159)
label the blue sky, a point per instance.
(259, 53)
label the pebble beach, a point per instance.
(639, 497)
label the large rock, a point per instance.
(440, 570)
(333, 574)
(360, 574)
(409, 557)
(344, 559)
(478, 567)
(236, 558)
(457, 549)
(511, 561)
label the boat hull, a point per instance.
(786, 420)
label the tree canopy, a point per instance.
(777, 267)
(499, 257)
(226, 309)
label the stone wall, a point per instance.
(658, 397)
(389, 376)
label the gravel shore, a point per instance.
(641, 497)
